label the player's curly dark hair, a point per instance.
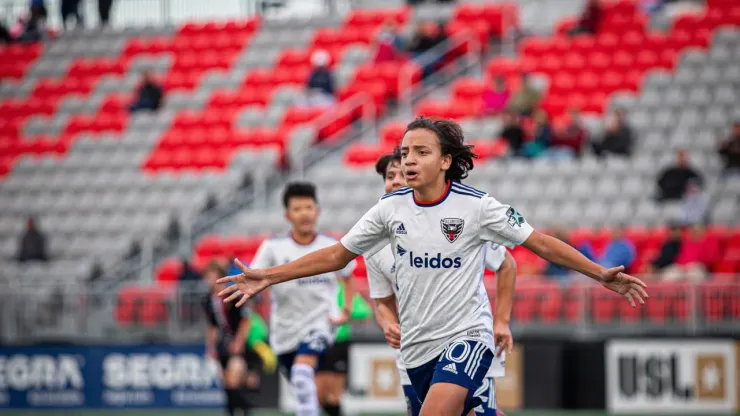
(451, 142)
(299, 190)
(381, 166)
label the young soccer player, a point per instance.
(304, 312)
(381, 279)
(447, 341)
(227, 329)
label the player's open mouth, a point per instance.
(410, 175)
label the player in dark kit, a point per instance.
(228, 326)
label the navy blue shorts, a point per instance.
(464, 363)
(314, 344)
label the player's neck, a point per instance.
(433, 192)
(303, 238)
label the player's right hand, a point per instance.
(247, 284)
(392, 333)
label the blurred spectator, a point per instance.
(541, 136)
(315, 98)
(5, 35)
(668, 251)
(104, 7)
(33, 243)
(697, 254)
(526, 99)
(650, 7)
(618, 138)
(321, 77)
(71, 8)
(729, 149)
(188, 273)
(695, 204)
(590, 19)
(389, 43)
(495, 97)
(425, 38)
(674, 180)
(149, 95)
(571, 139)
(512, 132)
(34, 26)
(620, 251)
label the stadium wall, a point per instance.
(620, 375)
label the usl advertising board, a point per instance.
(108, 377)
(672, 376)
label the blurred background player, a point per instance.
(228, 326)
(381, 279)
(331, 377)
(303, 313)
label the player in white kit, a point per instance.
(303, 312)
(381, 279)
(446, 321)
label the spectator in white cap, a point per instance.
(321, 77)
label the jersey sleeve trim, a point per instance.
(461, 187)
(400, 191)
(458, 192)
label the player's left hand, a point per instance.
(246, 285)
(632, 288)
(502, 338)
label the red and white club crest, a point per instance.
(452, 228)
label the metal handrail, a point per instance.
(406, 82)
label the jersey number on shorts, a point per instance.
(487, 395)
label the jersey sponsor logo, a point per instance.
(515, 218)
(400, 250)
(452, 228)
(451, 368)
(401, 229)
(434, 262)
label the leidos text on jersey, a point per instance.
(434, 262)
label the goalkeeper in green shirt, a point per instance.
(331, 377)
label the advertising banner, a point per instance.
(671, 376)
(108, 377)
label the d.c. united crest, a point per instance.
(452, 228)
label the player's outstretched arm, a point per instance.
(505, 283)
(614, 279)
(252, 281)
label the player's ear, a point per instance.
(446, 162)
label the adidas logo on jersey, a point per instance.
(401, 229)
(450, 367)
(400, 250)
(434, 262)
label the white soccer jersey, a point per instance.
(381, 277)
(300, 306)
(439, 249)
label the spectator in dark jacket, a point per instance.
(589, 20)
(321, 77)
(729, 149)
(513, 132)
(5, 36)
(33, 244)
(668, 251)
(34, 28)
(674, 180)
(150, 95)
(71, 8)
(541, 136)
(618, 138)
